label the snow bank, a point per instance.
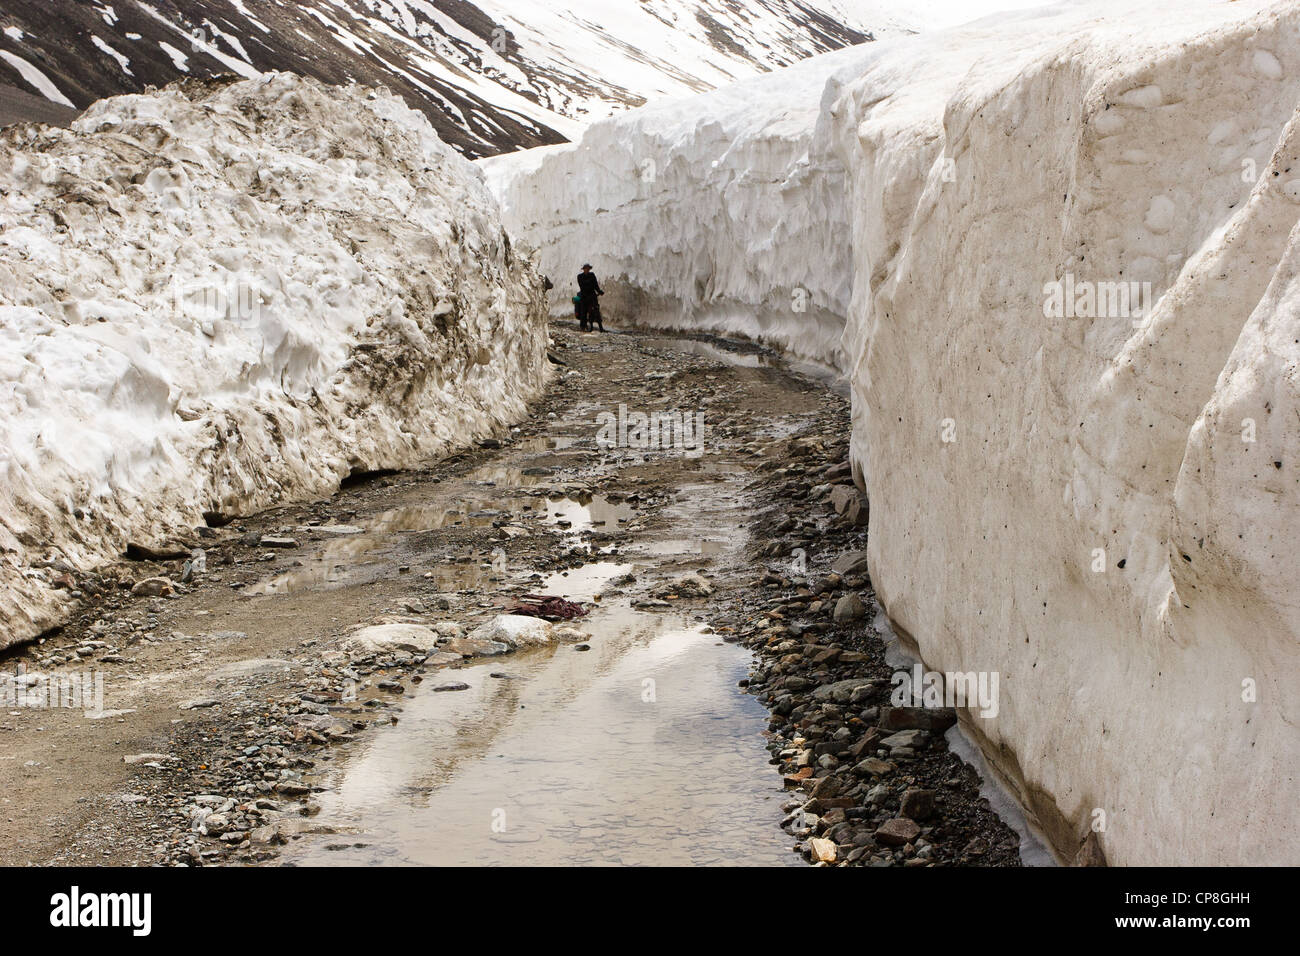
(1101, 503)
(1102, 507)
(719, 212)
(219, 296)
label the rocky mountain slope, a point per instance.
(491, 75)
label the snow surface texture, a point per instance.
(1009, 453)
(223, 295)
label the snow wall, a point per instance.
(706, 213)
(1098, 499)
(220, 296)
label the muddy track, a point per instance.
(240, 724)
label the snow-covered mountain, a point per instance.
(491, 75)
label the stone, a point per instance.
(451, 685)
(270, 541)
(849, 608)
(471, 648)
(145, 758)
(828, 786)
(386, 638)
(515, 631)
(851, 562)
(897, 832)
(153, 587)
(841, 691)
(823, 851)
(873, 766)
(198, 703)
(689, 586)
(820, 805)
(904, 738)
(842, 496)
(933, 719)
(917, 804)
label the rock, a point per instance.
(850, 504)
(897, 832)
(450, 686)
(569, 635)
(841, 496)
(820, 805)
(933, 719)
(904, 738)
(470, 648)
(823, 851)
(386, 638)
(145, 758)
(851, 562)
(917, 804)
(849, 608)
(841, 691)
(441, 658)
(515, 631)
(153, 587)
(828, 786)
(275, 542)
(858, 513)
(689, 586)
(448, 629)
(873, 766)
(198, 703)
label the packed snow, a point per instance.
(1099, 502)
(223, 295)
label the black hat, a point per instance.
(586, 265)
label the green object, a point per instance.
(577, 299)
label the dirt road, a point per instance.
(244, 721)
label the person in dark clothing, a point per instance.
(589, 292)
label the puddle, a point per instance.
(597, 514)
(745, 357)
(371, 550)
(469, 512)
(543, 443)
(357, 559)
(641, 751)
(585, 582)
(505, 475)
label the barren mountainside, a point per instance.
(492, 76)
